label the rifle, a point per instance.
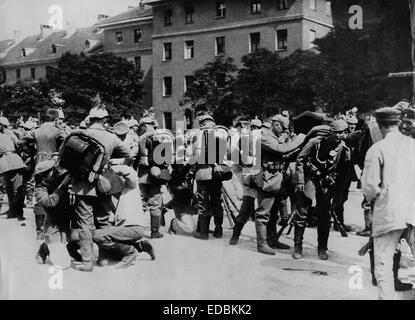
(331, 182)
(289, 223)
(363, 250)
(229, 214)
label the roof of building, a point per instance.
(37, 48)
(5, 44)
(134, 13)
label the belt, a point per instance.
(274, 166)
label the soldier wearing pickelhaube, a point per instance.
(149, 175)
(209, 189)
(93, 207)
(321, 166)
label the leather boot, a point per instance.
(218, 233)
(155, 225)
(87, 247)
(298, 242)
(399, 285)
(42, 253)
(236, 233)
(322, 240)
(129, 255)
(272, 240)
(72, 247)
(145, 246)
(204, 222)
(261, 234)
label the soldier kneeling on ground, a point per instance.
(121, 238)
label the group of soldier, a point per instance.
(287, 179)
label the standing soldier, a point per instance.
(209, 188)
(321, 166)
(273, 164)
(149, 173)
(93, 203)
(11, 171)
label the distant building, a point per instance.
(29, 58)
(189, 34)
(128, 35)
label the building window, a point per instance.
(254, 41)
(3, 76)
(167, 85)
(168, 120)
(313, 36)
(118, 37)
(137, 35)
(167, 51)
(220, 9)
(23, 52)
(313, 4)
(189, 11)
(137, 63)
(255, 6)
(33, 73)
(53, 48)
(282, 5)
(168, 14)
(220, 46)
(282, 36)
(18, 74)
(328, 7)
(188, 81)
(189, 49)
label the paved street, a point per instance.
(188, 268)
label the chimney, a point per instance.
(45, 31)
(17, 36)
(102, 16)
(141, 5)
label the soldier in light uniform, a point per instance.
(209, 190)
(273, 164)
(11, 171)
(91, 205)
(321, 166)
(150, 185)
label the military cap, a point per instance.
(256, 123)
(52, 114)
(388, 115)
(338, 126)
(285, 122)
(121, 128)
(132, 123)
(266, 125)
(44, 166)
(4, 121)
(98, 112)
(146, 120)
(29, 125)
(205, 117)
(351, 120)
(401, 105)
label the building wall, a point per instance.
(40, 72)
(236, 27)
(130, 49)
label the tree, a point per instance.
(24, 98)
(211, 90)
(79, 78)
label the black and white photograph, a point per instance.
(230, 151)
